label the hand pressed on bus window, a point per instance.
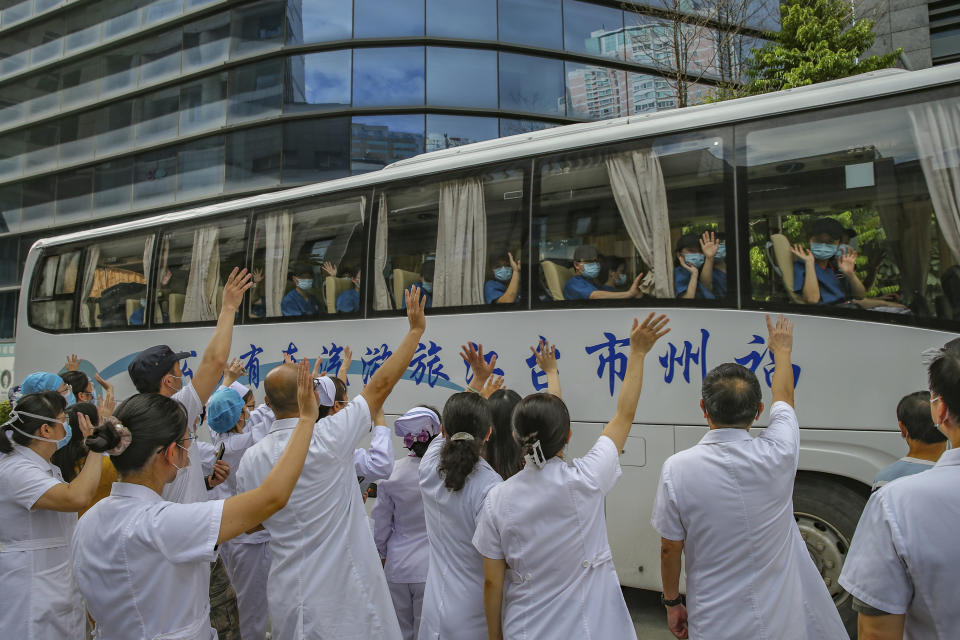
(634, 289)
(257, 275)
(709, 245)
(73, 363)
(847, 261)
(514, 264)
(330, 269)
(473, 355)
(237, 284)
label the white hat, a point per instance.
(326, 390)
(416, 420)
(241, 389)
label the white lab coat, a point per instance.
(375, 463)
(143, 565)
(904, 555)
(749, 574)
(40, 598)
(326, 580)
(188, 486)
(453, 601)
(549, 526)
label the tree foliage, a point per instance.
(819, 40)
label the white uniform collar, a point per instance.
(283, 424)
(718, 436)
(950, 457)
(34, 457)
(138, 491)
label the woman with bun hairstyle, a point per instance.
(142, 563)
(543, 531)
(454, 481)
(38, 514)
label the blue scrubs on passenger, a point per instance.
(348, 301)
(833, 289)
(681, 281)
(492, 290)
(578, 288)
(136, 318)
(719, 283)
(403, 302)
(294, 304)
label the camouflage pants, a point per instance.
(224, 616)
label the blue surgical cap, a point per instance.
(41, 381)
(224, 409)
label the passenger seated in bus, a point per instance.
(612, 273)
(850, 242)
(425, 283)
(823, 274)
(349, 300)
(258, 297)
(693, 277)
(136, 318)
(584, 285)
(299, 301)
(505, 286)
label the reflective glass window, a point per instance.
(596, 93)
(160, 58)
(376, 19)
(17, 52)
(8, 261)
(85, 36)
(112, 186)
(52, 288)
(206, 42)
(203, 104)
(200, 165)
(315, 150)
(11, 155)
(650, 41)
(376, 141)
(255, 89)
(111, 299)
(253, 158)
(13, 103)
(45, 98)
(538, 23)
(10, 199)
(157, 115)
(155, 177)
(120, 68)
(318, 81)
(388, 76)
(80, 84)
(17, 12)
(74, 189)
(256, 26)
(512, 127)
(8, 314)
(46, 43)
(160, 11)
(115, 129)
(593, 29)
(41, 146)
(319, 20)
(461, 77)
(531, 84)
(476, 19)
(38, 200)
(122, 23)
(650, 93)
(444, 132)
(77, 137)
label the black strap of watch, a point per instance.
(672, 603)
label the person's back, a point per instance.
(901, 468)
(407, 548)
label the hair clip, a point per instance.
(461, 435)
(536, 455)
(125, 439)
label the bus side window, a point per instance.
(194, 265)
(54, 282)
(845, 214)
(307, 259)
(114, 282)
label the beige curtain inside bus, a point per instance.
(87, 310)
(380, 291)
(936, 132)
(203, 284)
(461, 244)
(161, 274)
(278, 227)
(637, 183)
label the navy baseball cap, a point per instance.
(150, 365)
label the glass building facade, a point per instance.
(112, 109)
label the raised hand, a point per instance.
(288, 359)
(514, 264)
(709, 244)
(847, 261)
(415, 306)
(237, 284)
(86, 429)
(316, 367)
(493, 384)
(233, 372)
(73, 363)
(635, 287)
(546, 355)
(306, 394)
(105, 404)
(473, 354)
(347, 360)
(330, 269)
(803, 253)
(781, 335)
(644, 335)
(257, 276)
(689, 267)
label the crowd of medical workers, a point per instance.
(485, 529)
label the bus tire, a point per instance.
(827, 511)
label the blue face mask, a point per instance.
(722, 252)
(61, 443)
(426, 287)
(694, 259)
(823, 250)
(620, 280)
(591, 270)
(503, 273)
(70, 398)
(305, 283)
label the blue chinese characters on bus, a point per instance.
(683, 357)
(185, 369)
(488, 358)
(252, 364)
(332, 359)
(372, 359)
(289, 351)
(537, 376)
(613, 363)
(753, 359)
(426, 364)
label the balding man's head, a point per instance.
(280, 387)
(731, 396)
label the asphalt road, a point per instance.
(649, 617)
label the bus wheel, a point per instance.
(827, 512)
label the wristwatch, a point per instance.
(672, 603)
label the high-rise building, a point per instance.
(116, 109)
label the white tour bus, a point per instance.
(879, 154)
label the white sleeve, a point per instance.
(601, 466)
(207, 454)
(666, 512)
(25, 483)
(382, 516)
(375, 463)
(191, 402)
(260, 421)
(185, 532)
(340, 432)
(874, 571)
(486, 539)
(784, 427)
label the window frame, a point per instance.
(55, 250)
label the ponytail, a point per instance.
(42, 403)
(142, 425)
(542, 424)
(466, 420)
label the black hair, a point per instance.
(301, 269)
(42, 403)
(688, 241)
(500, 257)
(419, 448)
(543, 417)
(827, 226)
(339, 396)
(77, 380)
(350, 271)
(944, 376)
(731, 395)
(155, 422)
(427, 270)
(464, 412)
(66, 458)
(913, 411)
(503, 450)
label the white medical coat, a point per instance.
(749, 574)
(325, 580)
(904, 555)
(143, 564)
(234, 446)
(399, 526)
(188, 486)
(40, 598)
(375, 463)
(453, 600)
(549, 526)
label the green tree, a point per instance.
(819, 40)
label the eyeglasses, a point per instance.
(187, 438)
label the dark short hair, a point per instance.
(426, 271)
(913, 411)
(301, 270)
(944, 377)
(543, 417)
(77, 380)
(827, 226)
(155, 422)
(731, 395)
(688, 241)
